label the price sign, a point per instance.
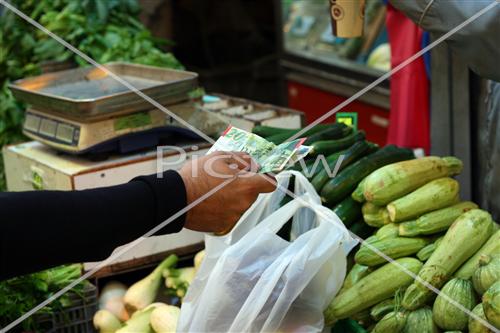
(348, 118)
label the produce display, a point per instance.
(104, 30)
(421, 223)
(21, 294)
(136, 309)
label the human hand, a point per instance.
(224, 206)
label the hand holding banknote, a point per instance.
(220, 211)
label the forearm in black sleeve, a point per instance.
(41, 229)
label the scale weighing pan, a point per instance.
(90, 94)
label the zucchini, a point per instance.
(476, 326)
(328, 147)
(425, 252)
(487, 273)
(436, 221)
(347, 326)
(382, 308)
(348, 210)
(393, 322)
(375, 216)
(390, 230)
(331, 133)
(434, 195)
(358, 192)
(350, 155)
(331, 161)
(285, 135)
(372, 289)
(347, 180)
(398, 179)
(446, 314)
(491, 304)
(465, 236)
(392, 247)
(420, 321)
(266, 131)
(491, 247)
(361, 229)
(356, 273)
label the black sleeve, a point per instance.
(42, 229)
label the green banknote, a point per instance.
(270, 157)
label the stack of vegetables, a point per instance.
(338, 149)
(134, 310)
(450, 245)
(105, 30)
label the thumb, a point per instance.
(260, 182)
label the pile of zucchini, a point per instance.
(450, 245)
(332, 142)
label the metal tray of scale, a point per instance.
(89, 94)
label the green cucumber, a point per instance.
(372, 289)
(266, 131)
(361, 229)
(436, 194)
(347, 180)
(396, 247)
(284, 136)
(436, 221)
(331, 133)
(465, 236)
(319, 164)
(328, 147)
(348, 210)
(356, 151)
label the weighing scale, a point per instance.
(85, 110)
(124, 133)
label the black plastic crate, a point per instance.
(74, 319)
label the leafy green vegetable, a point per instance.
(21, 294)
(105, 30)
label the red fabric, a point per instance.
(409, 124)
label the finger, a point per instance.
(241, 161)
(259, 182)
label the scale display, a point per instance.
(76, 137)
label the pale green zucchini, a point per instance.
(396, 247)
(465, 236)
(491, 247)
(446, 314)
(356, 273)
(434, 195)
(382, 308)
(377, 216)
(425, 252)
(373, 288)
(393, 322)
(420, 321)
(398, 179)
(436, 221)
(390, 230)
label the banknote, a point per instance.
(270, 157)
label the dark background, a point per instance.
(232, 44)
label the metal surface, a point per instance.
(89, 94)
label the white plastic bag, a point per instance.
(251, 280)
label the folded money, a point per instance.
(270, 157)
